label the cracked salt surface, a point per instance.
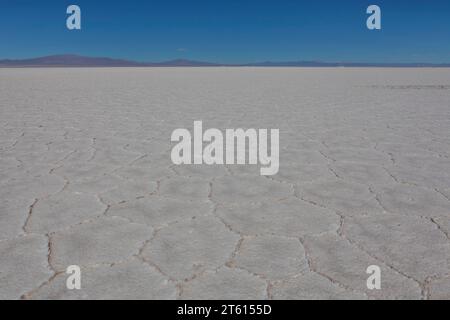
(86, 178)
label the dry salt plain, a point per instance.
(86, 179)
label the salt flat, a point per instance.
(86, 179)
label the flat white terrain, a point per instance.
(86, 179)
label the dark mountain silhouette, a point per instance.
(72, 60)
(69, 60)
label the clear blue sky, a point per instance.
(229, 31)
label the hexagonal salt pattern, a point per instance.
(181, 250)
(131, 280)
(24, 265)
(271, 257)
(102, 241)
(225, 283)
(312, 286)
(86, 178)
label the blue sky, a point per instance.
(229, 31)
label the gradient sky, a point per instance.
(229, 31)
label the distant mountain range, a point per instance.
(71, 60)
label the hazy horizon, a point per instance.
(191, 62)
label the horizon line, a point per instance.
(77, 60)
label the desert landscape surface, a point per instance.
(86, 179)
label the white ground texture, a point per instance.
(86, 179)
